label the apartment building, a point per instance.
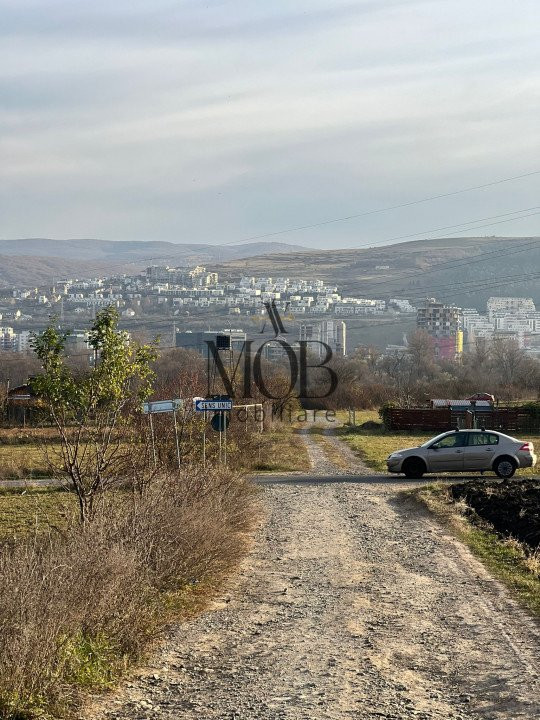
(330, 332)
(442, 322)
(509, 306)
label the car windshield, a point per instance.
(435, 439)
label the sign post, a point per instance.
(153, 438)
(220, 405)
(163, 406)
(225, 423)
(202, 404)
(204, 442)
(176, 438)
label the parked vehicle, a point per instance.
(464, 451)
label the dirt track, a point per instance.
(353, 604)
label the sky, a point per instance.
(220, 120)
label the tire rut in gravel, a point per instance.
(352, 604)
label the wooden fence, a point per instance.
(513, 419)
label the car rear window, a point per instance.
(483, 438)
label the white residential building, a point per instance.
(332, 333)
(509, 305)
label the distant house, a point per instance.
(22, 404)
(465, 404)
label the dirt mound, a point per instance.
(511, 506)
(371, 425)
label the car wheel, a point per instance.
(414, 468)
(504, 467)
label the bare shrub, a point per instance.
(76, 606)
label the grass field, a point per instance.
(374, 446)
(23, 455)
(31, 510)
(23, 461)
(34, 510)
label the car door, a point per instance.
(446, 455)
(480, 450)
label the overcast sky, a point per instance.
(218, 120)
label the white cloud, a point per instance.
(215, 121)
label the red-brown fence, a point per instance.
(418, 419)
(513, 419)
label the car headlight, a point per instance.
(395, 456)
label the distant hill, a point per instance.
(30, 261)
(465, 271)
(90, 249)
(30, 270)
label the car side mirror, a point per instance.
(433, 447)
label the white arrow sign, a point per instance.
(202, 404)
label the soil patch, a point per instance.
(511, 506)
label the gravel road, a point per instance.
(354, 603)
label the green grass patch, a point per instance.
(34, 510)
(509, 561)
(91, 662)
(24, 461)
(375, 445)
(281, 450)
(360, 416)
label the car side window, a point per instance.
(450, 441)
(483, 438)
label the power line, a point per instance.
(456, 286)
(376, 211)
(409, 289)
(460, 262)
(474, 259)
(461, 225)
(462, 287)
(122, 264)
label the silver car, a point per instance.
(464, 451)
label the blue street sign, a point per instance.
(203, 404)
(220, 421)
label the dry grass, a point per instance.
(374, 446)
(77, 605)
(281, 450)
(22, 461)
(331, 451)
(278, 448)
(27, 435)
(34, 511)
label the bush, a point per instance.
(76, 607)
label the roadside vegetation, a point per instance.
(370, 440)
(80, 602)
(281, 450)
(91, 572)
(370, 379)
(35, 454)
(513, 562)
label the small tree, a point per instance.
(89, 408)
